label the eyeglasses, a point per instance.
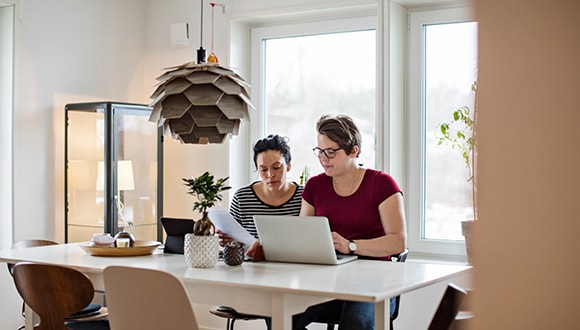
(329, 153)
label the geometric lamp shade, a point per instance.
(200, 103)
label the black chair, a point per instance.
(400, 257)
(232, 315)
(448, 308)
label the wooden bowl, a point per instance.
(140, 248)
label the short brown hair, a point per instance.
(342, 130)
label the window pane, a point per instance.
(450, 69)
(308, 76)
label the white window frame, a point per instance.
(417, 131)
(259, 34)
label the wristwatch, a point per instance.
(352, 247)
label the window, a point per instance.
(306, 70)
(442, 67)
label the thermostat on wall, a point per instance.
(179, 34)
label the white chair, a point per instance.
(143, 299)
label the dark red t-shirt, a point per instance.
(355, 216)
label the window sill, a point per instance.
(436, 258)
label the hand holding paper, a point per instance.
(223, 220)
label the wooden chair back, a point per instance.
(147, 299)
(448, 308)
(29, 243)
(53, 292)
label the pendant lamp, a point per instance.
(201, 102)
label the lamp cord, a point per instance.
(212, 24)
(201, 26)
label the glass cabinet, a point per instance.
(113, 171)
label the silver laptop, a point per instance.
(298, 239)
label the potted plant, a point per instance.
(201, 248)
(460, 134)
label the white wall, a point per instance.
(66, 51)
(183, 160)
(6, 147)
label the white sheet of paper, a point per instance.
(223, 220)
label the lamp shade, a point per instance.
(200, 103)
(125, 179)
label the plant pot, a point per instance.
(467, 231)
(201, 251)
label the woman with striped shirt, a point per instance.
(273, 194)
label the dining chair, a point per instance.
(147, 299)
(448, 308)
(55, 293)
(90, 310)
(233, 315)
(399, 257)
(465, 315)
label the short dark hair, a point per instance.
(272, 142)
(342, 130)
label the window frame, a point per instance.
(417, 132)
(401, 156)
(322, 26)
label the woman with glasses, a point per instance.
(273, 194)
(364, 208)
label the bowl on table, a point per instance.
(103, 240)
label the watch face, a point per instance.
(352, 246)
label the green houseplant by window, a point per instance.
(201, 248)
(460, 134)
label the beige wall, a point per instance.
(527, 269)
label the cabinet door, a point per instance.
(112, 180)
(135, 188)
(84, 183)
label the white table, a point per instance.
(276, 289)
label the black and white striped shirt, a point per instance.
(246, 204)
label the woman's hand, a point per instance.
(340, 243)
(256, 252)
(224, 239)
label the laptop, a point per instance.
(176, 228)
(298, 239)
